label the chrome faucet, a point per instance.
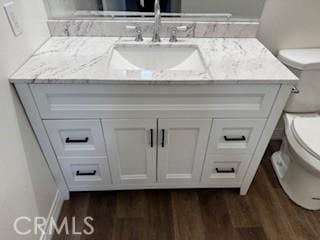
(157, 22)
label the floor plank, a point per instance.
(75, 210)
(267, 205)
(187, 219)
(241, 212)
(131, 204)
(252, 233)
(102, 208)
(216, 216)
(266, 213)
(129, 228)
(159, 215)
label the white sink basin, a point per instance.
(156, 58)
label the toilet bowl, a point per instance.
(297, 164)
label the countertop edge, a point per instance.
(154, 82)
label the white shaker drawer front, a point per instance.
(225, 170)
(238, 136)
(86, 174)
(150, 101)
(76, 138)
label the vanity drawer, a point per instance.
(76, 138)
(65, 101)
(86, 173)
(238, 136)
(225, 170)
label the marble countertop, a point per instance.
(85, 60)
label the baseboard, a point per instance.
(277, 134)
(53, 214)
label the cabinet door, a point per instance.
(131, 149)
(182, 146)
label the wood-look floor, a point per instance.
(265, 213)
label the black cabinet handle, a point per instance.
(86, 173)
(225, 170)
(151, 138)
(162, 140)
(227, 139)
(68, 140)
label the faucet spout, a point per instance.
(157, 22)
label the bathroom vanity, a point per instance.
(199, 118)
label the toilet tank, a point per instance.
(305, 63)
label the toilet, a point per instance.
(297, 164)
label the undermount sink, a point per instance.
(156, 58)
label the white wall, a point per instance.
(26, 185)
(290, 24)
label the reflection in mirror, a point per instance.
(137, 8)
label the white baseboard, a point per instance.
(277, 134)
(53, 214)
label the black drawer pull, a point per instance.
(86, 173)
(231, 170)
(163, 136)
(68, 140)
(227, 139)
(151, 138)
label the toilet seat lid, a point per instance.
(302, 59)
(307, 132)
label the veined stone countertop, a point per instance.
(85, 60)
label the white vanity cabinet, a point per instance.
(105, 137)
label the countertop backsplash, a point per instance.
(117, 28)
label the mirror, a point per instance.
(240, 9)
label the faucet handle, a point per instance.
(131, 28)
(138, 30)
(181, 28)
(175, 30)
